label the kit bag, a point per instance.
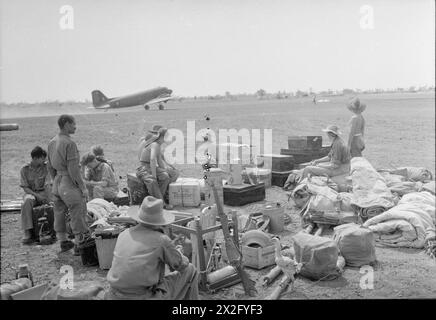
(356, 244)
(319, 256)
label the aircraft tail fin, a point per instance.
(98, 98)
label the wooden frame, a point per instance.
(199, 232)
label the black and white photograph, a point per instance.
(228, 151)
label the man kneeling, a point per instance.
(99, 178)
(140, 256)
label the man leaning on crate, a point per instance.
(35, 181)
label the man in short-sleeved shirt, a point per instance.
(99, 178)
(35, 182)
(140, 256)
(337, 162)
(69, 190)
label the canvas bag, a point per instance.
(356, 244)
(324, 199)
(319, 256)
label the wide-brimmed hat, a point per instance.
(333, 129)
(355, 105)
(151, 212)
(155, 129)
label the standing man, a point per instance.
(69, 190)
(35, 183)
(153, 170)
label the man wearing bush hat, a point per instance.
(337, 162)
(140, 256)
(154, 170)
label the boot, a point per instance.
(66, 245)
(28, 237)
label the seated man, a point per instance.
(140, 256)
(154, 171)
(173, 173)
(35, 182)
(99, 155)
(337, 162)
(99, 178)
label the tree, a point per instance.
(261, 93)
(348, 91)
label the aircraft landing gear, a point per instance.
(147, 107)
(161, 107)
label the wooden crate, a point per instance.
(277, 162)
(305, 142)
(258, 258)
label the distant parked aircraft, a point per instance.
(146, 98)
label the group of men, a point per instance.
(141, 252)
(67, 182)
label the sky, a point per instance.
(208, 47)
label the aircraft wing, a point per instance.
(158, 100)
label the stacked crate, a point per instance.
(281, 166)
(305, 148)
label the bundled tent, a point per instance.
(409, 224)
(371, 196)
(418, 174)
(398, 184)
(99, 210)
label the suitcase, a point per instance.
(137, 189)
(277, 162)
(122, 199)
(279, 178)
(305, 142)
(239, 195)
(43, 215)
(306, 155)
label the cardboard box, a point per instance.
(258, 258)
(185, 192)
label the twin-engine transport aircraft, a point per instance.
(146, 98)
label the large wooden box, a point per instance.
(239, 195)
(277, 162)
(305, 142)
(279, 178)
(306, 155)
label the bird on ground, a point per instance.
(288, 266)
